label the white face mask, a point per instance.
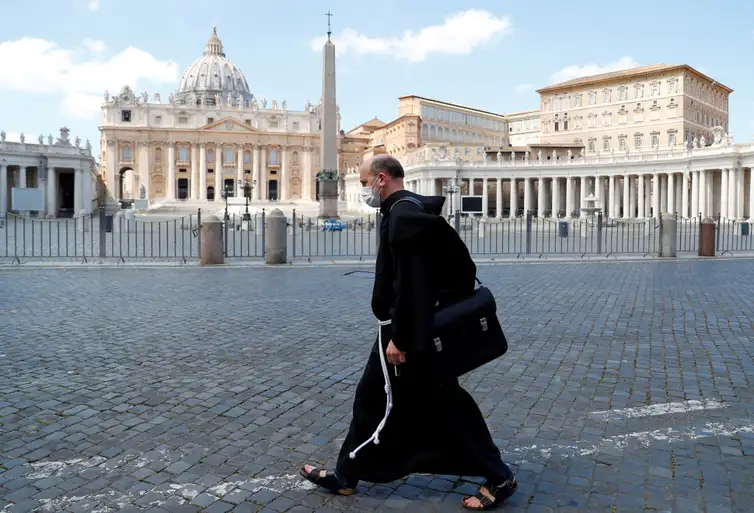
(371, 198)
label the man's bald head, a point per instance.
(383, 171)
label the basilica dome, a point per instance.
(212, 78)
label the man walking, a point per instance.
(433, 425)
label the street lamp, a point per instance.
(451, 188)
(247, 195)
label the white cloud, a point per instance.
(93, 5)
(42, 66)
(94, 45)
(460, 34)
(524, 88)
(574, 71)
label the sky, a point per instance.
(59, 56)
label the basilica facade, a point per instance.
(206, 139)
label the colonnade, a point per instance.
(67, 191)
(728, 192)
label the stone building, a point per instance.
(210, 136)
(62, 174)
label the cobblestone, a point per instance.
(181, 389)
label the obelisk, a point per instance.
(328, 144)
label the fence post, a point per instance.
(211, 250)
(102, 228)
(264, 231)
(529, 222)
(457, 221)
(668, 235)
(718, 230)
(199, 229)
(599, 232)
(293, 242)
(707, 237)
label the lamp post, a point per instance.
(247, 195)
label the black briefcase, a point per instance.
(467, 334)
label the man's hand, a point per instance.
(394, 355)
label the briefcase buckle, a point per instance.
(438, 344)
(483, 322)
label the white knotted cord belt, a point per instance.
(388, 390)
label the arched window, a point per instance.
(158, 154)
(295, 157)
(126, 153)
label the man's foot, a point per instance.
(326, 479)
(489, 496)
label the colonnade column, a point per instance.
(751, 194)
(740, 184)
(641, 190)
(527, 195)
(239, 170)
(202, 171)
(499, 198)
(656, 195)
(611, 197)
(582, 193)
(671, 193)
(514, 198)
(170, 193)
(569, 197)
(3, 189)
(694, 193)
(555, 191)
(727, 200)
(685, 194)
(626, 192)
(51, 190)
(703, 192)
(485, 196)
(195, 182)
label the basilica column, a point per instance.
(263, 174)
(685, 194)
(725, 195)
(3, 189)
(218, 172)
(541, 197)
(255, 172)
(641, 190)
(307, 175)
(239, 171)
(514, 198)
(285, 179)
(171, 172)
(671, 194)
(569, 197)
(143, 170)
(202, 172)
(194, 195)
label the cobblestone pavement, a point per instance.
(627, 387)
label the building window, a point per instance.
(622, 143)
(295, 125)
(210, 120)
(211, 156)
(228, 155)
(125, 116)
(577, 100)
(591, 145)
(247, 122)
(272, 124)
(605, 144)
(565, 124)
(606, 95)
(183, 154)
(273, 156)
(592, 98)
(623, 93)
(158, 120)
(158, 154)
(655, 140)
(557, 125)
(673, 86)
(655, 89)
(639, 91)
(182, 120)
(126, 153)
(637, 141)
(671, 140)
(246, 157)
(294, 158)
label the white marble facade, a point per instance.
(65, 170)
(209, 135)
(711, 180)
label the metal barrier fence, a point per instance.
(124, 237)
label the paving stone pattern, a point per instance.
(189, 389)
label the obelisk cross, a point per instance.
(329, 31)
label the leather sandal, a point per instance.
(327, 480)
(492, 496)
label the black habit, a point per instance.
(435, 426)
